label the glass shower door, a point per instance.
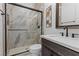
(23, 28)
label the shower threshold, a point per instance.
(17, 51)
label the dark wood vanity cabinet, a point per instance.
(47, 52)
(53, 49)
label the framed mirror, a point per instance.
(67, 14)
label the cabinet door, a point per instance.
(45, 51)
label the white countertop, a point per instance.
(72, 43)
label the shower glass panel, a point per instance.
(23, 28)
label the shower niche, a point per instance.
(23, 26)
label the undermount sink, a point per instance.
(62, 37)
(54, 35)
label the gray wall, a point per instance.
(51, 30)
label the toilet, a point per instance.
(35, 50)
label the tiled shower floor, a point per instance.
(22, 51)
(17, 50)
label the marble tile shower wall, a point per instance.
(38, 6)
(1, 31)
(26, 22)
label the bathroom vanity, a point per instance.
(54, 46)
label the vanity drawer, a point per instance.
(59, 49)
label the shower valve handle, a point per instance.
(38, 26)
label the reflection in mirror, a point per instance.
(67, 14)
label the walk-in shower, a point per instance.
(23, 28)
